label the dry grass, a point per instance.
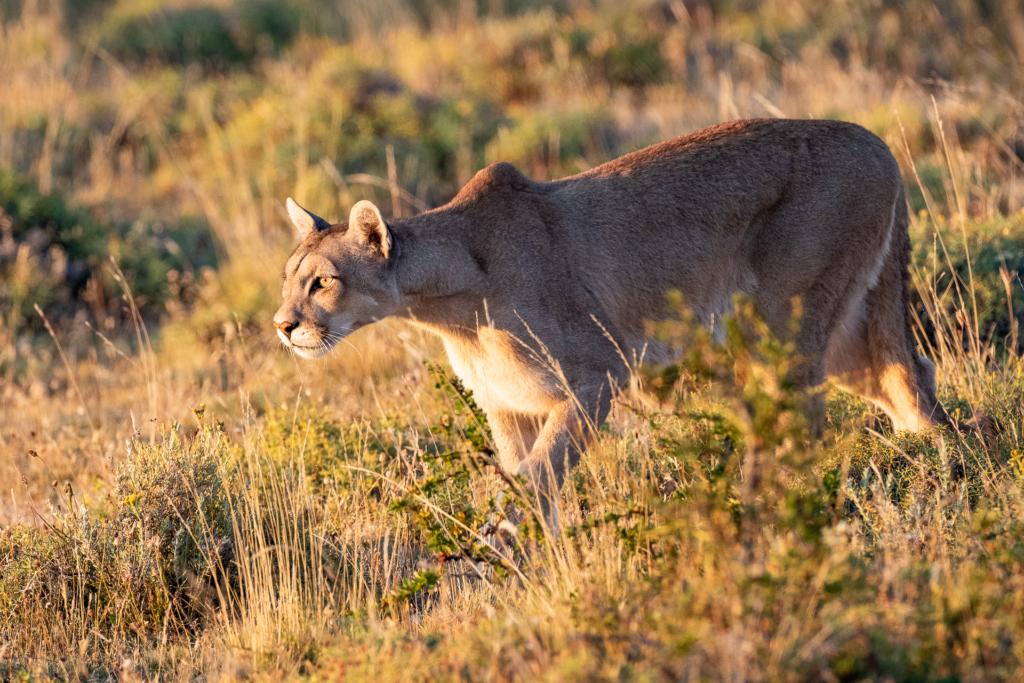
(183, 501)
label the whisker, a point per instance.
(341, 338)
(358, 352)
(345, 340)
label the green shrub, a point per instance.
(979, 278)
(51, 249)
(635, 64)
(209, 35)
(149, 566)
(61, 223)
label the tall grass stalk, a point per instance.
(283, 600)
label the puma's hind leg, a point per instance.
(870, 355)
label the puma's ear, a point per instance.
(305, 222)
(370, 227)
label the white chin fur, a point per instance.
(304, 347)
(310, 352)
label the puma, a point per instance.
(538, 288)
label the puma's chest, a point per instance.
(501, 373)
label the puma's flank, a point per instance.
(774, 208)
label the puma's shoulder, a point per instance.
(500, 177)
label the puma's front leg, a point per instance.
(514, 435)
(568, 428)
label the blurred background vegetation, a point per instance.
(146, 147)
(164, 135)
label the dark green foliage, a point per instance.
(267, 24)
(53, 254)
(635, 64)
(982, 288)
(420, 582)
(63, 224)
(209, 35)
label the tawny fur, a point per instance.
(515, 274)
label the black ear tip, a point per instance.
(300, 215)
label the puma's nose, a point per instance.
(286, 327)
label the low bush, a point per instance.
(968, 285)
(214, 36)
(145, 565)
(55, 256)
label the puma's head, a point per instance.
(337, 280)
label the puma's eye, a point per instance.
(324, 282)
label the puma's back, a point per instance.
(766, 207)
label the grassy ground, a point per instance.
(181, 500)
